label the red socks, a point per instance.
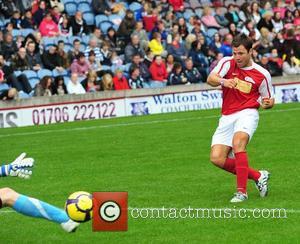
(229, 166)
(241, 169)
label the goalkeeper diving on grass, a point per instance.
(22, 167)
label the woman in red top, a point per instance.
(177, 5)
(120, 81)
(48, 27)
(158, 72)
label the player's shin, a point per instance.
(39, 209)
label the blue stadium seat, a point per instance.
(27, 31)
(89, 18)
(4, 86)
(44, 72)
(84, 7)
(71, 8)
(100, 18)
(30, 74)
(33, 81)
(115, 19)
(104, 25)
(56, 73)
(211, 32)
(135, 6)
(16, 33)
(49, 41)
(62, 38)
(199, 11)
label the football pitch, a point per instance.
(161, 161)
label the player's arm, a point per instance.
(215, 78)
(20, 167)
(266, 92)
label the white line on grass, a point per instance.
(133, 124)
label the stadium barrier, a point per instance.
(112, 104)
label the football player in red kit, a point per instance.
(246, 86)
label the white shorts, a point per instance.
(245, 121)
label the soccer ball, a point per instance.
(79, 206)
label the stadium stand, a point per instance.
(184, 29)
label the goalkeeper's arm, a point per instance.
(20, 167)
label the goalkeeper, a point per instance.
(21, 167)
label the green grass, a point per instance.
(161, 160)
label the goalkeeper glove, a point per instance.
(21, 167)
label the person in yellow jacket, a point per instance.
(156, 46)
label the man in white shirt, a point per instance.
(74, 86)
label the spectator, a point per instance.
(97, 34)
(16, 20)
(144, 70)
(59, 87)
(288, 17)
(171, 33)
(142, 35)
(192, 73)
(266, 21)
(40, 13)
(278, 43)
(20, 61)
(106, 54)
(170, 63)
(216, 43)
(182, 28)
(78, 25)
(44, 87)
(48, 27)
(277, 22)
(117, 62)
(249, 27)
(101, 7)
(219, 56)
(34, 59)
(27, 22)
(74, 86)
(199, 59)
(208, 19)
(93, 63)
(233, 30)
(158, 73)
(80, 66)
(135, 79)
(148, 58)
(255, 12)
(107, 82)
(149, 20)
(177, 77)
(266, 44)
(226, 48)
(127, 26)
(220, 18)
(57, 3)
(91, 84)
(245, 12)
(297, 17)
(64, 26)
(156, 46)
(51, 59)
(21, 82)
(177, 49)
(62, 54)
(7, 8)
(93, 47)
(177, 5)
(291, 65)
(56, 15)
(8, 47)
(132, 48)
(275, 63)
(119, 80)
(112, 40)
(6, 93)
(267, 6)
(232, 15)
(72, 54)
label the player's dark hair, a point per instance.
(243, 40)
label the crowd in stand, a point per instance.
(47, 48)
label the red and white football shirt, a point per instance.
(259, 80)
